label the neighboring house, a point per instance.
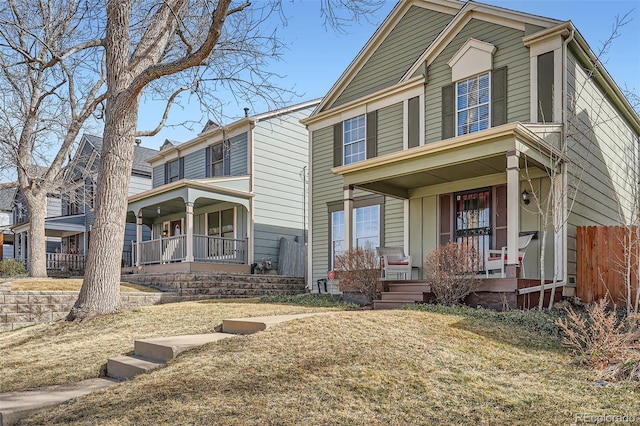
(70, 213)
(7, 198)
(225, 199)
(448, 114)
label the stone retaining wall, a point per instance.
(23, 308)
(199, 286)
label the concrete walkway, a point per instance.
(17, 405)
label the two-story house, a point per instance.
(225, 199)
(7, 199)
(70, 213)
(449, 121)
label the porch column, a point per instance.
(348, 217)
(513, 212)
(189, 226)
(138, 258)
(22, 246)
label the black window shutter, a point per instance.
(499, 97)
(337, 145)
(372, 134)
(226, 157)
(545, 88)
(166, 173)
(207, 161)
(414, 122)
(181, 172)
(448, 112)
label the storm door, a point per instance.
(473, 221)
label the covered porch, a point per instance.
(470, 189)
(193, 222)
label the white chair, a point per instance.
(393, 260)
(496, 259)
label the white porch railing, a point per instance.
(205, 249)
(164, 250)
(219, 250)
(65, 262)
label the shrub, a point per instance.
(357, 271)
(599, 337)
(451, 271)
(12, 268)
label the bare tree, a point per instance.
(51, 80)
(171, 46)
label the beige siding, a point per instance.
(510, 52)
(406, 42)
(390, 129)
(603, 150)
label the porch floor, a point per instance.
(493, 293)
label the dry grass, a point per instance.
(360, 368)
(66, 284)
(66, 352)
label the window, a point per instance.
(220, 224)
(174, 171)
(366, 230)
(217, 160)
(472, 104)
(354, 138)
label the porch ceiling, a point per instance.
(466, 157)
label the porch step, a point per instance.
(408, 287)
(404, 295)
(127, 367)
(391, 304)
(167, 348)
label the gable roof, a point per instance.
(461, 13)
(140, 153)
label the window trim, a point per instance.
(363, 140)
(457, 111)
(358, 202)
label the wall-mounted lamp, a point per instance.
(158, 210)
(525, 197)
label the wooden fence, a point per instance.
(602, 254)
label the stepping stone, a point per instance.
(127, 367)
(167, 348)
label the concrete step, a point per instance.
(404, 295)
(409, 287)
(167, 348)
(127, 367)
(391, 304)
(256, 324)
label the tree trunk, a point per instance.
(37, 203)
(100, 292)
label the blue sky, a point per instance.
(316, 57)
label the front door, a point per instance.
(473, 221)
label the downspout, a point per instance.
(565, 52)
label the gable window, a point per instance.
(355, 140)
(472, 104)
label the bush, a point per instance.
(599, 337)
(357, 271)
(452, 272)
(12, 268)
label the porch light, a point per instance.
(158, 210)
(525, 197)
